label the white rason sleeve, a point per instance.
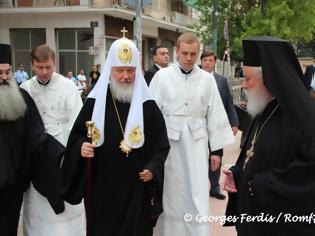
(155, 89)
(219, 129)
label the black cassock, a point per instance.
(282, 177)
(27, 154)
(119, 202)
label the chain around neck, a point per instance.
(250, 152)
(119, 120)
(257, 133)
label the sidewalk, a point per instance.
(218, 206)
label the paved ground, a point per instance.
(218, 206)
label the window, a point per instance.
(179, 6)
(25, 3)
(23, 41)
(73, 50)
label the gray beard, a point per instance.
(256, 103)
(120, 92)
(12, 104)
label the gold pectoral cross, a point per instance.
(249, 154)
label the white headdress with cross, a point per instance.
(123, 52)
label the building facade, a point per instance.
(82, 31)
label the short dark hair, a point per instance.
(42, 53)
(154, 49)
(208, 54)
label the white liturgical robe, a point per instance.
(59, 103)
(195, 119)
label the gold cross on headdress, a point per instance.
(124, 31)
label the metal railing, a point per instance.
(45, 3)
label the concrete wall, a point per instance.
(158, 9)
(52, 21)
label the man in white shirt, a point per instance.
(20, 75)
(59, 103)
(81, 81)
(197, 128)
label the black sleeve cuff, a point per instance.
(217, 152)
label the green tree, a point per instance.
(293, 20)
(203, 27)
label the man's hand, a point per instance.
(215, 162)
(146, 175)
(229, 184)
(87, 150)
(234, 130)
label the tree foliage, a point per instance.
(203, 27)
(293, 20)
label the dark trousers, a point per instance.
(214, 177)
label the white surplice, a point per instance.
(195, 118)
(59, 103)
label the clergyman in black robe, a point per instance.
(120, 200)
(27, 153)
(272, 186)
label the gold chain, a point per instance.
(120, 124)
(262, 126)
(250, 151)
(123, 146)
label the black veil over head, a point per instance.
(282, 75)
(5, 54)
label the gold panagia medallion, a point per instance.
(125, 54)
(125, 148)
(135, 136)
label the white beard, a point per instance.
(257, 101)
(120, 92)
(12, 104)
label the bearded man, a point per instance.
(27, 153)
(273, 180)
(127, 152)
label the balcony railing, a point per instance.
(45, 3)
(58, 3)
(181, 19)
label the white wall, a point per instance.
(99, 41)
(52, 21)
(49, 20)
(149, 30)
(4, 35)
